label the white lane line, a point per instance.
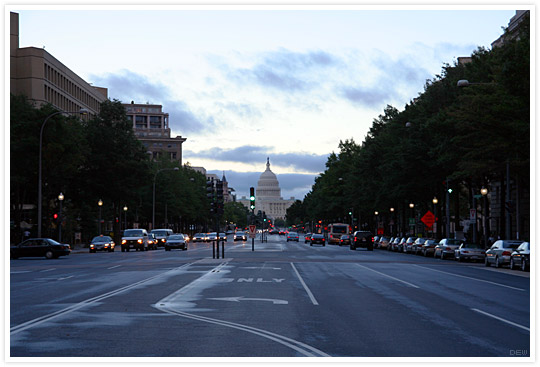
(43, 271)
(71, 276)
(386, 275)
(501, 319)
(313, 300)
(42, 319)
(112, 267)
(478, 280)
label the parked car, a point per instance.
(500, 252)
(395, 243)
(135, 239)
(307, 237)
(176, 241)
(362, 239)
(383, 242)
(446, 248)
(376, 241)
(417, 245)
(199, 237)
(428, 248)
(101, 243)
(398, 246)
(37, 247)
(345, 240)
(317, 238)
(161, 235)
(470, 251)
(293, 236)
(240, 236)
(521, 257)
(407, 245)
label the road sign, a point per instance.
(473, 214)
(252, 230)
(428, 219)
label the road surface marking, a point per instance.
(43, 271)
(313, 300)
(242, 298)
(112, 267)
(478, 280)
(71, 276)
(501, 319)
(386, 275)
(42, 319)
(20, 272)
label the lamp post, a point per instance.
(392, 221)
(484, 193)
(100, 204)
(125, 217)
(411, 205)
(154, 193)
(82, 111)
(435, 201)
(60, 199)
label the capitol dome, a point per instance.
(268, 185)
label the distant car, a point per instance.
(161, 235)
(521, 257)
(417, 245)
(500, 252)
(222, 236)
(211, 236)
(176, 241)
(446, 248)
(398, 246)
(392, 246)
(317, 238)
(240, 236)
(38, 247)
(101, 243)
(293, 236)
(383, 242)
(407, 245)
(307, 237)
(345, 240)
(470, 251)
(362, 239)
(199, 237)
(376, 241)
(152, 241)
(186, 237)
(428, 248)
(136, 238)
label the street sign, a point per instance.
(252, 230)
(428, 219)
(473, 214)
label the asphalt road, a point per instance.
(282, 300)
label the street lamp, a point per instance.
(435, 201)
(100, 203)
(125, 217)
(60, 199)
(484, 193)
(154, 193)
(82, 111)
(411, 205)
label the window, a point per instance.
(155, 122)
(140, 122)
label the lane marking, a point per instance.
(386, 275)
(501, 319)
(313, 300)
(112, 267)
(466, 277)
(42, 319)
(71, 276)
(43, 271)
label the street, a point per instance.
(285, 299)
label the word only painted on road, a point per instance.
(250, 280)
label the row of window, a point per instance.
(160, 145)
(59, 80)
(141, 122)
(156, 155)
(143, 110)
(60, 100)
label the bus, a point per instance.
(336, 230)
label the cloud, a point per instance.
(128, 86)
(250, 154)
(366, 97)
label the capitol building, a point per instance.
(268, 196)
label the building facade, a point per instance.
(268, 196)
(43, 79)
(151, 127)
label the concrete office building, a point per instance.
(43, 79)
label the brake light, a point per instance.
(372, 239)
(355, 239)
(465, 252)
(506, 253)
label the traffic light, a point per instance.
(252, 197)
(55, 217)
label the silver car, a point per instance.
(446, 248)
(500, 252)
(470, 251)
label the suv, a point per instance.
(135, 239)
(161, 235)
(362, 239)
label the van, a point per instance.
(136, 239)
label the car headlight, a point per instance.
(92, 246)
(139, 240)
(124, 242)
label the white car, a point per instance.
(240, 236)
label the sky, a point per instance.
(243, 83)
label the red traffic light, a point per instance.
(55, 216)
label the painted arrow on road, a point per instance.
(238, 299)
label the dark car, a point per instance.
(345, 240)
(317, 238)
(176, 241)
(37, 247)
(500, 252)
(362, 239)
(307, 237)
(521, 257)
(293, 236)
(102, 243)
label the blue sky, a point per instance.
(242, 83)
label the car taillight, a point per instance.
(372, 239)
(355, 239)
(465, 252)
(506, 253)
